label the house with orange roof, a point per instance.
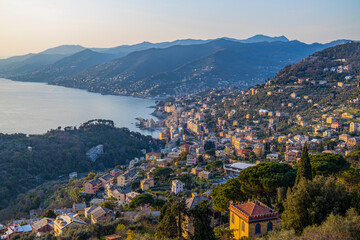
(252, 218)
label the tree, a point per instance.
(162, 173)
(171, 219)
(261, 181)
(140, 200)
(224, 234)
(214, 165)
(304, 166)
(187, 179)
(134, 186)
(209, 145)
(49, 214)
(335, 227)
(201, 220)
(120, 228)
(350, 178)
(183, 156)
(328, 163)
(310, 202)
(109, 204)
(200, 159)
(229, 191)
(131, 235)
(354, 158)
(90, 176)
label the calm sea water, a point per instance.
(34, 108)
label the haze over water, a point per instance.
(34, 108)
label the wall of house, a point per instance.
(263, 225)
(236, 226)
(249, 230)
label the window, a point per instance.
(232, 218)
(257, 229)
(269, 226)
(243, 226)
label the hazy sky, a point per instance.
(34, 25)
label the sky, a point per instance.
(35, 25)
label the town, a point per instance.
(229, 163)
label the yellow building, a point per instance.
(329, 120)
(354, 127)
(252, 218)
(65, 220)
(146, 184)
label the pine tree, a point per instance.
(201, 219)
(304, 166)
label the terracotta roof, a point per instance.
(253, 210)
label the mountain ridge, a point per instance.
(160, 69)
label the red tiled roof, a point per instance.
(253, 210)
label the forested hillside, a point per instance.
(27, 161)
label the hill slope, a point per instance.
(15, 66)
(67, 67)
(325, 83)
(162, 69)
(59, 152)
(186, 69)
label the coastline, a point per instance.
(155, 98)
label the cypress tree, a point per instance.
(201, 219)
(304, 166)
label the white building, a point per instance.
(177, 186)
(236, 167)
(272, 156)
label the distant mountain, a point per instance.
(261, 38)
(64, 50)
(68, 66)
(33, 62)
(158, 69)
(124, 49)
(8, 62)
(186, 69)
(27, 64)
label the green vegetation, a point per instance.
(328, 164)
(162, 173)
(261, 181)
(304, 166)
(58, 153)
(171, 219)
(258, 182)
(229, 191)
(310, 202)
(334, 227)
(175, 216)
(49, 214)
(141, 199)
(201, 219)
